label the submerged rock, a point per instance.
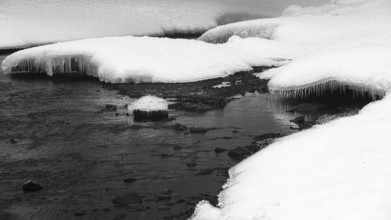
(129, 180)
(31, 186)
(198, 130)
(219, 150)
(191, 164)
(130, 198)
(109, 107)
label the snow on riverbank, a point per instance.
(144, 59)
(340, 170)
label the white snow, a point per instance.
(24, 23)
(149, 103)
(338, 170)
(143, 59)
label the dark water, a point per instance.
(55, 133)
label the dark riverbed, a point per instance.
(60, 134)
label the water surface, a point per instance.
(57, 133)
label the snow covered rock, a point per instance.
(149, 108)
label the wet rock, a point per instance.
(191, 164)
(179, 127)
(198, 130)
(31, 186)
(119, 216)
(129, 180)
(306, 125)
(252, 149)
(219, 150)
(79, 213)
(298, 120)
(267, 136)
(164, 208)
(164, 197)
(130, 198)
(166, 191)
(205, 172)
(109, 107)
(238, 153)
(146, 116)
(164, 155)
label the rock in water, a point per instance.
(149, 108)
(128, 199)
(31, 186)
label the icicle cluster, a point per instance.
(333, 86)
(64, 65)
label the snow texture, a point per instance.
(144, 59)
(25, 23)
(149, 103)
(339, 170)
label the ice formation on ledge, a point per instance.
(144, 59)
(339, 170)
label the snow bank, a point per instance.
(143, 59)
(340, 170)
(316, 174)
(149, 103)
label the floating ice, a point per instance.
(143, 59)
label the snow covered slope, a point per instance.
(144, 59)
(339, 170)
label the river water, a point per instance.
(58, 133)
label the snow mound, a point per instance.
(149, 103)
(144, 59)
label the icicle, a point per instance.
(332, 87)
